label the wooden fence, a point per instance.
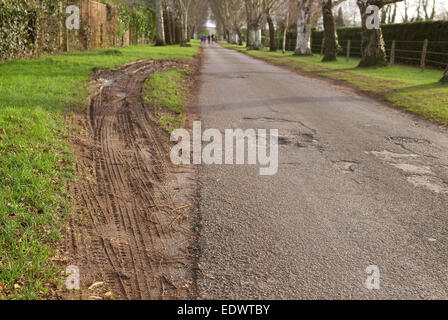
(418, 53)
(99, 28)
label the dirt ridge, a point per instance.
(133, 226)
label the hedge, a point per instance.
(409, 39)
(31, 27)
(24, 27)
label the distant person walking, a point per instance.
(213, 38)
(208, 39)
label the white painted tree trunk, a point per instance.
(253, 26)
(233, 37)
(160, 24)
(303, 46)
(285, 32)
(254, 41)
(186, 35)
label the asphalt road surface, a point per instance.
(359, 183)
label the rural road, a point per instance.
(359, 184)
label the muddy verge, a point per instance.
(131, 233)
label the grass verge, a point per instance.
(166, 92)
(404, 87)
(36, 159)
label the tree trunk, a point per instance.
(285, 32)
(160, 24)
(168, 28)
(272, 44)
(253, 27)
(182, 39)
(373, 47)
(185, 19)
(330, 45)
(445, 76)
(240, 36)
(303, 47)
(254, 37)
(176, 30)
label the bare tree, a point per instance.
(272, 43)
(270, 7)
(429, 10)
(160, 24)
(303, 45)
(389, 14)
(184, 6)
(405, 14)
(198, 14)
(330, 43)
(286, 12)
(255, 14)
(285, 32)
(373, 47)
(231, 16)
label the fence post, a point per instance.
(67, 42)
(101, 35)
(61, 28)
(392, 53)
(423, 59)
(349, 44)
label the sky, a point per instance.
(351, 11)
(210, 24)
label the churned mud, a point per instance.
(132, 232)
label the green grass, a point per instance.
(36, 159)
(166, 92)
(404, 87)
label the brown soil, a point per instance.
(132, 232)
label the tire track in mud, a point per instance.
(134, 220)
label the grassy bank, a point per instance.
(404, 87)
(166, 93)
(36, 161)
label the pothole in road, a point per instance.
(410, 168)
(268, 119)
(301, 140)
(392, 156)
(400, 140)
(346, 166)
(418, 174)
(432, 183)
(231, 76)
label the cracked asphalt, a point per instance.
(359, 183)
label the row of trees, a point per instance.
(185, 16)
(234, 16)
